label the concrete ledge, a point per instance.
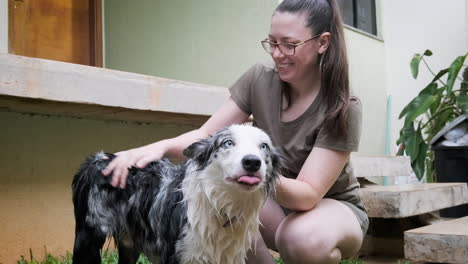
(373, 166)
(31, 84)
(445, 242)
(398, 201)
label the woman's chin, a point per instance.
(285, 77)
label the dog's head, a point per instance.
(240, 156)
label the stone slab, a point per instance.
(380, 166)
(102, 92)
(443, 242)
(398, 201)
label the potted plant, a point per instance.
(427, 113)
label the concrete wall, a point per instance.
(39, 155)
(212, 42)
(367, 76)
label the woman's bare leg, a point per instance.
(271, 216)
(326, 234)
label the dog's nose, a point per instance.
(251, 163)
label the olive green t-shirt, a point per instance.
(259, 92)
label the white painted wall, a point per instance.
(411, 27)
(367, 78)
(3, 26)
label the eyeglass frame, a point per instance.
(295, 45)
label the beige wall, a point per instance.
(38, 157)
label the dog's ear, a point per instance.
(277, 159)
(198, 151)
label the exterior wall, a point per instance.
(367, 77)
(39, 156)
(411, 27)
(3, 26)
(212, 43)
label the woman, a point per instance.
(303, 102)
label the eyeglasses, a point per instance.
(288, 49)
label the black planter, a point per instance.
(451, 165)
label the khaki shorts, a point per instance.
(358, 210)
(361, 215)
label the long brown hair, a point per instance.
(325, 16)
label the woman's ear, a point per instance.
(324, 42)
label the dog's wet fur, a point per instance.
(205, 210)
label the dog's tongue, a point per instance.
(248, 180)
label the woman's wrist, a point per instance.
(295, 195)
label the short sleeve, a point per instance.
(242, 90)
(350, 142)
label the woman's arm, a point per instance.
(229, 113)
(319, 172)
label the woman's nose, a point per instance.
(277, 53)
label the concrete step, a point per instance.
(398, 201)
(380, 166)
(443, 242)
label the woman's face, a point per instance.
(291, 28)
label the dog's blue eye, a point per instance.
(264, 146)
(228, 143)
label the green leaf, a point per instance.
(440, 74)
(419, 163)
(408, 138)
(416, 60)
(415, 65)
(417, 107)
(454, 69)
(416, 142)
(405, 132)
(462, 100)
(427, 53)
(431, 89)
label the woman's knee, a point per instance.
(294, 247)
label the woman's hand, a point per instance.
(138, 157)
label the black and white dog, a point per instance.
(205, 210)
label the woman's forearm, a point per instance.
(174, 147)
(296, 195)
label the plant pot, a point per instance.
(451, 165)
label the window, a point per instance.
(359, 14)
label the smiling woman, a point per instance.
(302, 100)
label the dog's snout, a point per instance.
(251, 163)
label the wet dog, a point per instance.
(205, 210)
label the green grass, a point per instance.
(111, 257)
(107, 257)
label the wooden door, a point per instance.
(63, 30)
